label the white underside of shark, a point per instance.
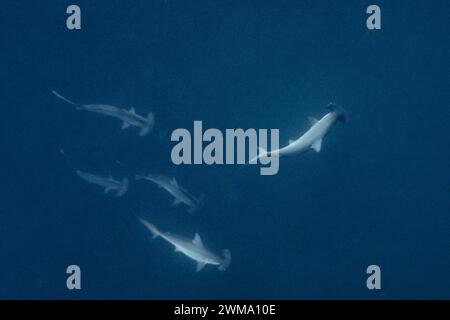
(128, 117)
(193, 249)
(311, 139)
(108, 183)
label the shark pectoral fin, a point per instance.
(175, 202)
(125, 125)
(317, 145)
(197, 241)
(200, 266)
(192, 210)
(107, 189)
(148, 127)
(261, 153)
(174, 182)
(123, 188)
(197, 205)
(176, 249)
(312, 120)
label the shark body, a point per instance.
(193, 249)
(311, 139)
(108, 183)
(128, 117)
(171, 186)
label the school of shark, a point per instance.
(193, 248)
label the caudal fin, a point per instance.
(226, 260)
(63, 98)
(342, 114)
(124, 188)
(149, 125)
(155, 232)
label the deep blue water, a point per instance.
(377, 193)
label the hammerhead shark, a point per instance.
(193, 249)
(106, 182)
(311, 139)
(129, 117)
(171, 186)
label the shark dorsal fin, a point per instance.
(132, 110)
(312, 120)
(291, 141)
(317, 145)
(174, 182)
(197, 241)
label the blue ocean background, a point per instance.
(377, 193)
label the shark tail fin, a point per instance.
(155, 232)
(342, 114)
(63, 98)
(124, 188)
(149, 126)
(226, 260)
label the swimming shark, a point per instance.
(106, 182)
(311, 139)
(171, 186)
(193, 249)
(129, 117)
